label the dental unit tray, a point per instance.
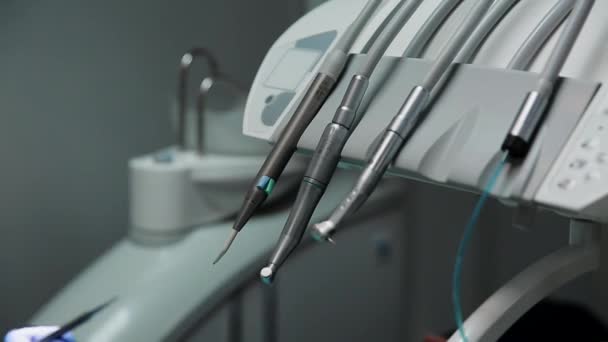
(459, 141)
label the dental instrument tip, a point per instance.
(322, 231)
(253, 201)
(267, 274)
(102, 306)
(227, 245)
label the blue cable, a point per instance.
(464, 242)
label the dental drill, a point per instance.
(402, 126)
(314, 97)
(327, 154)
(76, 322)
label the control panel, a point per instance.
(459, 141)
(578, 182)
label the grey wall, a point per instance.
(84, 86)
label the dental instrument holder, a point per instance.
(458, 143)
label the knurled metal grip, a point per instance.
(405, 121)
(347, 112)
(326, 158)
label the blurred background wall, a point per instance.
(84, 86)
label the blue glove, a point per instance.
(33, 334)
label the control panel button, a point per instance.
(591, 144)
(566, 184)
(592, 176)
(578, 164)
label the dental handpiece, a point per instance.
(314, 97)
(401, 127)
(327, 154)
(531, 113)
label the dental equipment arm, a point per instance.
(523, 130)
(327, 154)
(315, 96)
(524, 55)
(402, 125)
